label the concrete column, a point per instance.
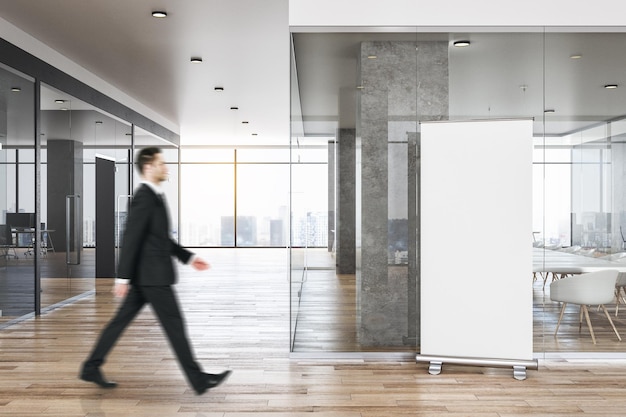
(405, 83)
(346, 220)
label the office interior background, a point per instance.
(307, 192)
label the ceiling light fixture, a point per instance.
(576, 56)
(610, 86)
(255, 134)
(549, 111)
(234, 108)
(16, 89)
(98, 122)
(245, 122)
(59, 101)
(372, 57)
(461, 44)
(219, 88)
(159, 14)
(196, 60)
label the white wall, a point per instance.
(454, 13)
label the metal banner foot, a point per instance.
(434, 368)
(519, 366)
(519, 373)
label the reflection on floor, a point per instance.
(59, 281)
(328, 312)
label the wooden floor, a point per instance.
(238, 318)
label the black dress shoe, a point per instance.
(212, 381)
(95, 376)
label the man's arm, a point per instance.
(188, 257)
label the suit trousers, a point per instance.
(165, 305)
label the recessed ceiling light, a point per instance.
(219, 88)
(16, 89)
(372, 57)
(159, 14)
(98, 122)
(59, 101)
(360, 87)
(255, 134)
(460, 44)
(196, 60)
(245, 122)
(610, 86)
(549, 111)
(234, 108)
(576, 56)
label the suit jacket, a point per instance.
(147, 248)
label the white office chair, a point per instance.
(620, 285)
(593, 288)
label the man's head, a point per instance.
(151, 165)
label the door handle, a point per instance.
(68, 234)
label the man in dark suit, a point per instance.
(146, 274)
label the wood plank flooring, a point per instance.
(238, 318)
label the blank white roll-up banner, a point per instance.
(476, 239)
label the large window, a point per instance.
(207, 204)
(262, 204)
(240, 197)
(552, 196)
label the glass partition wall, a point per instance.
(367, 93)
(17, 194)
(84, 171)
(66, 176)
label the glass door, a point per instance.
(77, 200)
(17, 195)
(62, 173)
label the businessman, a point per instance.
(146, 274)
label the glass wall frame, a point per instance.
(27, 161)
(17, 194)
(567, 80)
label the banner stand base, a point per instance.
(519, 366)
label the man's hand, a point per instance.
(200, 264)
(120, 290)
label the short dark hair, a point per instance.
(146, 156)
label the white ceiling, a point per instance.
(244, 45)
(245, 49)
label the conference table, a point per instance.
(562, 263)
